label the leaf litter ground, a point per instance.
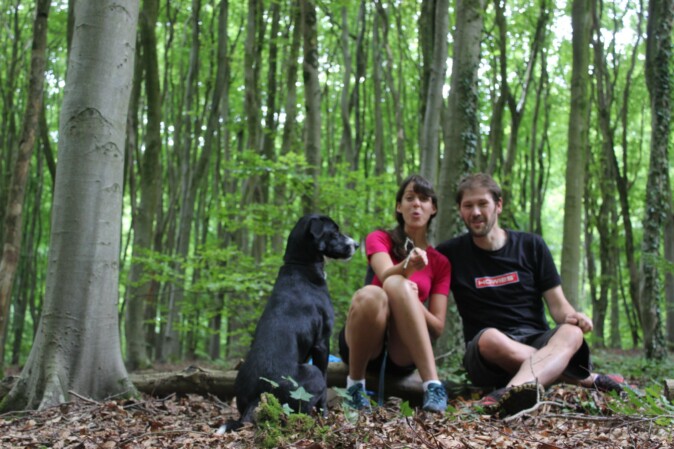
(569, 417)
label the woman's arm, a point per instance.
(435, 314)
(383, 265)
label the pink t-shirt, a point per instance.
(434, 278)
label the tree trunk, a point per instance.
(633, 313)
(77, 347)
(377, 100)
(461, 134)
(220, 92)
(516, 106)
(13, 217)
(669, 280)
(189, 129)
(312, 96)
(346, 142)
(360, 74)
(577, 149)
(658, 193)
(140, 291)
(10, 79)
(461, 138)
(430, 133)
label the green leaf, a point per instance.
(406, 410)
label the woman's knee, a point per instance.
(369, 298)
(400, 288)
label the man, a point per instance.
(498, 279)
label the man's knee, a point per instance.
(492, 342)
(569, 336)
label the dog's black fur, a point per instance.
(296, 323)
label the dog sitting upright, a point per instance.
(296, 323)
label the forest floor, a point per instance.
(569, 417)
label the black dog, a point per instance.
(296, 324)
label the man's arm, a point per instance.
(562, 311)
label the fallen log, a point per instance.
(198, 380)
(204, 381)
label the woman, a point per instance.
(395, 318)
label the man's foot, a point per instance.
(513, 400)
(491, 403)
(357, 397)
(520, 399)
(435, 398)
(609, 382)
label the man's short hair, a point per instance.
(478, 180)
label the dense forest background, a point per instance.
(245, 115)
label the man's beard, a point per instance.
(486, 228)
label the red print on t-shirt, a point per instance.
(497, 281)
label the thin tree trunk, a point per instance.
(346, 142)
(377, 100)
(140, 291)
(13, 217)
(516, 106)
(430, 134)
(658, 193)
(669, 277)
(218, 100)
(361, 73)
(312, 96)
(577, 149)
(190, 178)
(461, 134)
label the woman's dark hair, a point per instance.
(422, 187)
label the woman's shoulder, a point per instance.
(378, 235)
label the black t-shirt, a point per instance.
(502, 289)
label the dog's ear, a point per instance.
(319, 227)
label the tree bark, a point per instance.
(13, 217)
(577, 149)
(189, 129)
(658, 193)
(669, 280)
(142, 292)
(346, 142)
(430, 134)
(461, 134)
(312, 98)
(378, 97)
(77, 347)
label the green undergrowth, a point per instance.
(277, 425)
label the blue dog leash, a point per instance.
(382, 370)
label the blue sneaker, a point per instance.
(357, 399)
(435, 398)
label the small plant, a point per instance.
(650, 404)
(277, 423)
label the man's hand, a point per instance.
(581, 320)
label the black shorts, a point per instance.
(484, 374)
(374, 366)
